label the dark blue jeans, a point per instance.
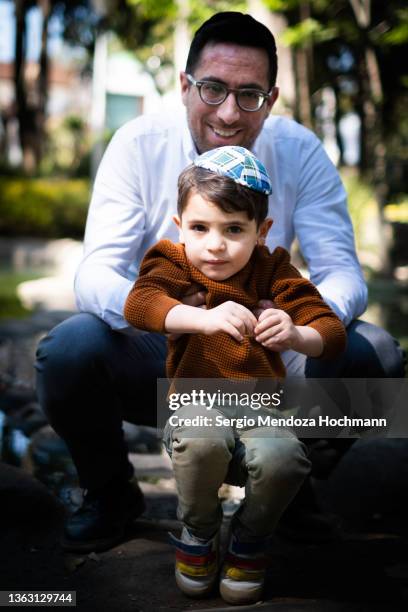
(90, 379)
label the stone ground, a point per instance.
(363, 569)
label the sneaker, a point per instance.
(243, 572)
(196, 563)
(101, 521)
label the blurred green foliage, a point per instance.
(68, 149)
(361, 202)
(398, 211)
(46, 208)
(10, 304)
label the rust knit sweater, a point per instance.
(166, 274)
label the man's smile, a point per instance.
(224, 133)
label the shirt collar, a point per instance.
(189, 148)
(256, 146)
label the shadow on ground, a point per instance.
(359, 571)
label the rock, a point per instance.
(27, 418)
(49, 293)
(141, 439)
(25, 502)
(18, 342)
(152, 465)
(50, 458)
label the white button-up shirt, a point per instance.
(135, 195)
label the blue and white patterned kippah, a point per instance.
(238, 164)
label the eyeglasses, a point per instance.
(214, 93)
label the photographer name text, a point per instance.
(270, 421)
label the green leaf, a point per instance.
(396, 36)
(281, 5)
(306, 32)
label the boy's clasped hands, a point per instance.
(273, 329)
(270, 326)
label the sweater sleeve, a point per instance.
(163, 280)
(301, 300)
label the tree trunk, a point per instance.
(19, 78)
(337, 117)
(372, 130)
(303, 69)
(304, 108)
(45, 6)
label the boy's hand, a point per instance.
(275, 330)
(229, 317)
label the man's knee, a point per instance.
(74, 343)
(277, 460)
(375, 351)
(65, 362)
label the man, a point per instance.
(90, 375)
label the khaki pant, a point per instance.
(269, 461)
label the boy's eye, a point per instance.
(235, 229)
(198, 227)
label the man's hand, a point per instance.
(263, 305)
(229, 317)
(194, 296)
(275, 330)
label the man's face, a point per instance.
(218, 243)
(226, 124)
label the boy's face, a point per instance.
(218, 243)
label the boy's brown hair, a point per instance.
(222, 191)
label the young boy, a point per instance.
(222, 218)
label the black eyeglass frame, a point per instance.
(263, 94)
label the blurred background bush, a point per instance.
(43, 207)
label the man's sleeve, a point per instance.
(114, 230)
(302, 301)
(323, 227)
(162, 280)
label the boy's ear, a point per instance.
(263, 231)
(177, 221)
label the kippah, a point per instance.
(238, 164)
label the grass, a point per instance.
(10, 304)
(392, 297)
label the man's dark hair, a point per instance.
(221, 191)
(237, 28)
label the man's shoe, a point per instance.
(196, 564)
(243, 572)
(101, 521)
